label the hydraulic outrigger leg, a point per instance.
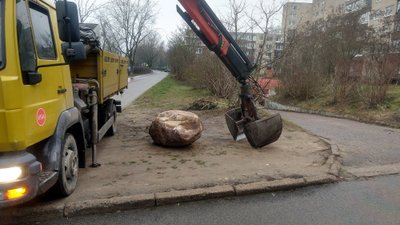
(202, 20)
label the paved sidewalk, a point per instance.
(138, 85)
(135, 173)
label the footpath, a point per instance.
(134, 173)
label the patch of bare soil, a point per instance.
(131, 164)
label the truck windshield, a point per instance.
(2, 55)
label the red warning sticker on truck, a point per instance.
(41, 117)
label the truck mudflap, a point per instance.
(22, 188)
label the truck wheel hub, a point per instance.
(71, 164)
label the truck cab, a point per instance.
(33, 91)
(46, 116)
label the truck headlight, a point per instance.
(11, 174)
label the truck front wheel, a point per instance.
(69, 165)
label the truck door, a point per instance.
(44, 98)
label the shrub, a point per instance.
(376, 80)
(208, 72)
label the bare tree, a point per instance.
(106, 38)
(264, 22)
(87, 8)
(126, 24)
(181, 51)
(149, 50)
(234, 19)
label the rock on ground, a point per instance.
(176, 128)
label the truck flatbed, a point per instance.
(109, 69)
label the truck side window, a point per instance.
(42, 32)
(25, 40)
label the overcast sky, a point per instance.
(169, 20)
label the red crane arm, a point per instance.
(207, 27)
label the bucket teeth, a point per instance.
(259, 133)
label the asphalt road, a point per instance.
(362, 144)
(369, 202)
(138, 85)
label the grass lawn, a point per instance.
(171, 94)
(386, 113)
(394, 97)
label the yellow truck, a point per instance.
(55, 98)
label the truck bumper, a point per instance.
(25, 187)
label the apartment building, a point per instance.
(382, 10)
(250, 43)
(322, 9)
(273, 47)
(375, 12)
(295, 14)
(247, 42)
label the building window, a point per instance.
(199, 51)
(386, 29)
(364, 19)
(389, 11)
(355, 5)
(397, 27)
(377, 14)
(398, 6)
(396, 45)
(269, 56)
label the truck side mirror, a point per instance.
(32, 78)
(68, 21)
(73, 52)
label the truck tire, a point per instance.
(69, 165)
(113, 129)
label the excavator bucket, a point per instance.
(243, 121)
(259, 133)
(235, 123)
(263, 131)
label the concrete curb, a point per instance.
(335, 160)
(267, 186)
(374, 171)
(173, 197)
(106, 205)
(99, 206)
(277, 106)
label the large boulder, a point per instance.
(176, 128)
